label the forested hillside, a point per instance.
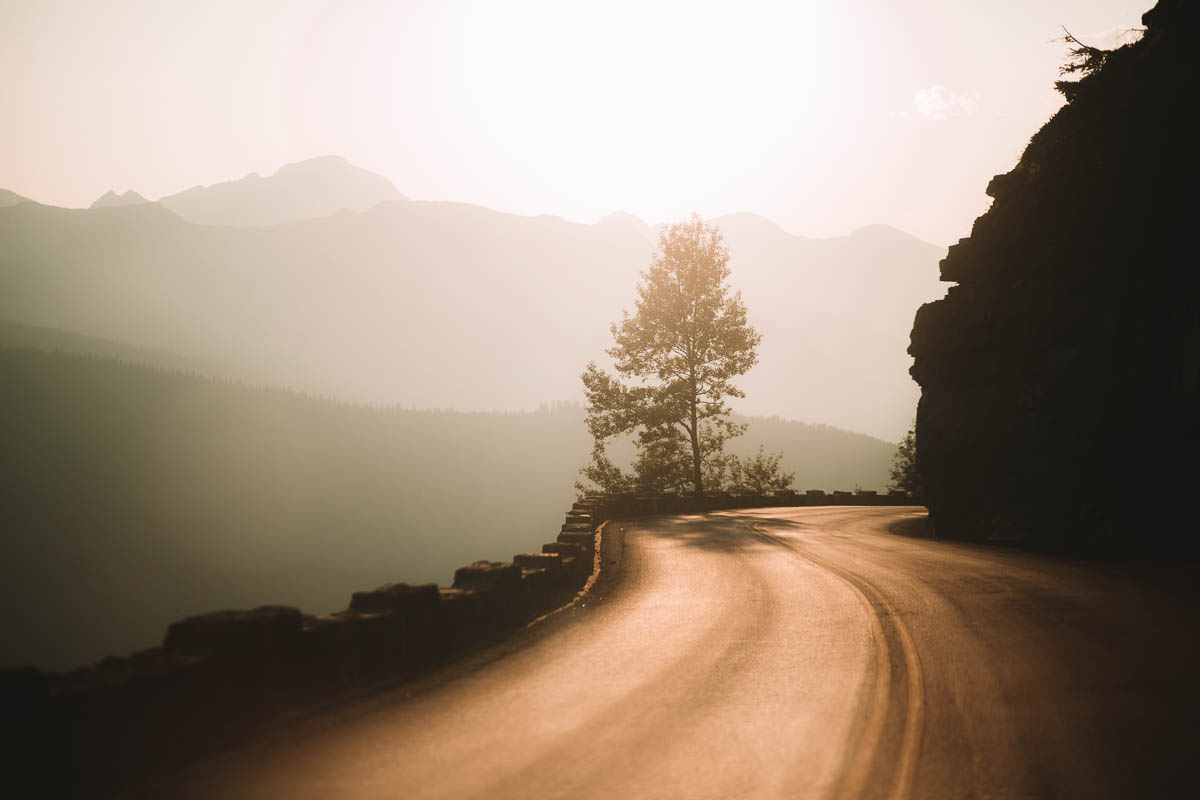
(132, 496)
(50, 340)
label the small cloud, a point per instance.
(938, 102)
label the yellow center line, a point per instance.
(914, 720)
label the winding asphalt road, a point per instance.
(807, 652)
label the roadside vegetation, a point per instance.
(904, 475)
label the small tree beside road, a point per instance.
(904, 475)
(675, 358)
(760, 474)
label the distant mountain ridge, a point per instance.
(450, 305)
(317, 187)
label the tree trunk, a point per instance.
(697, 477)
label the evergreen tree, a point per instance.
(904, 475)
(687, 338)
(1083, 60)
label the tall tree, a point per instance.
(687, 338)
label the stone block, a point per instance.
(473, 616)
(577, 561)
(400, 641)
(396, 597)
(544, 560)
(267, 629)
(542, 591)
(564, 548)
(497, 574)
(330, 654)
(585, 539)
(562, 576)
(787, 497)
(501, 582)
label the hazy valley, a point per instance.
(140, 492)
(244, 410)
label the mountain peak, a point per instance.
(329, 162)
(315, 187)
(749, 223)
(623, 218)
(111, 199)
(626, 221)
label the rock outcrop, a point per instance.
(1059, 377)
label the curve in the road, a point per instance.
(786, 653)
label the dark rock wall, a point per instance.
(1059, 377)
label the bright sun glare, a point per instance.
(628, 98)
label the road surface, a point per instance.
(790, 653)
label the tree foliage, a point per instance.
(904, 475)
(675, 358)
(760, 474)
(605, 474)
(1082, 60)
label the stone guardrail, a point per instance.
(219, 678)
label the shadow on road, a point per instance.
(915, 527)
(723, 533)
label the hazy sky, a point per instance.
(823, 116)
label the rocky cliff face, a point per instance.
(1059, 377)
